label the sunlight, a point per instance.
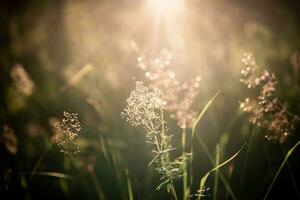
(168, 21)
(165, 6)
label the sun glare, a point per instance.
(167, 17)
(165, 6)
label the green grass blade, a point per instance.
(186, 187)
(291, 175)
(216, 182)
(203, 112)
(129, 187)
(245, 162)
(204, 178)
(50, 174)
(162, 184)
(288, 154)
(194, 130)
(77, 76)
(38, 163)
(223, 179)
(96, 184)
(104, 150)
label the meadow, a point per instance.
(150, 99)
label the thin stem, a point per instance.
(129, 187)
(291, 174)
(288, 154)
(163, 156)
(191, 161)
(96, 184)
(186, 189)
(251, 137)
(216, 182)
(173, 190)
(183, 140)
(223, 179)
(38, 163)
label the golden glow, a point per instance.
(165, 6)
(168, 19)
(195, 33)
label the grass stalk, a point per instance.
(186, 189)
(96, 184)
(222, 177)
(250, 142)
(204, 178)
(38, 163)
(287, 155)
(129, 187)
(216, 181)
(173, 190)
(47, 174)
(291, 174)
(204, 147)
(201, 114)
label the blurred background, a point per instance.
(81, 57)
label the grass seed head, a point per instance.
(67, 133)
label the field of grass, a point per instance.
(150, 99)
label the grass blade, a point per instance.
(96, 184)
(223, 179)
(216, 182)
(38, 163)
(50, 174)
(129, 187)
(245, 162)
(78, 76)
(291, 175)
(288, 154)
(204, 178)
(203, 112)
(194, 129)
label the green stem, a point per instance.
(38, 163)
(291, 175)
(173, 190)
(129, 187)
(96, 184)
(159, 149)
(223, 179)
(251, 137)
(201, 114)
(186, 189)
(217, 172)
(280, 168)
